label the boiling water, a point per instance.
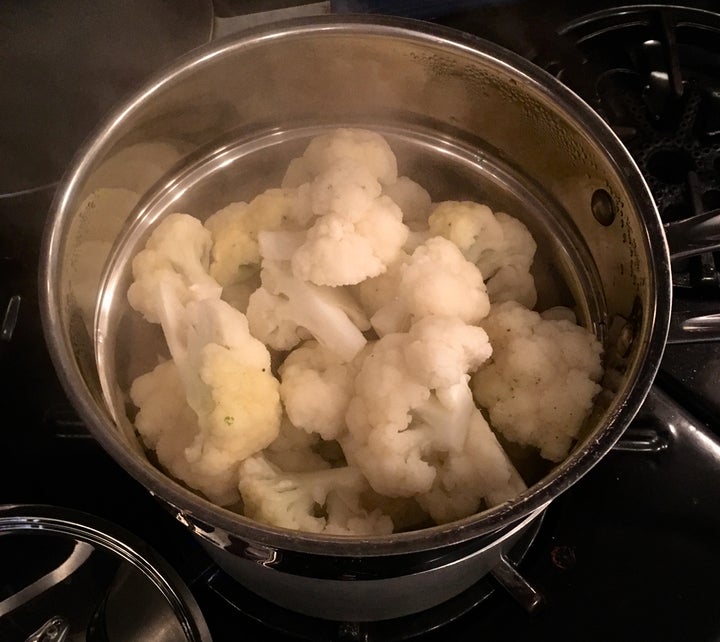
(127, 346)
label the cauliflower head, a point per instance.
(227, 383)
(366, 148)
(357, 234)
(379, 440)
(358, 229)
(540, 384)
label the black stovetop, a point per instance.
(631, 551)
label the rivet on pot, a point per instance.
(602, 207)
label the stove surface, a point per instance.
(630, 552)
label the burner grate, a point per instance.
(654, 74)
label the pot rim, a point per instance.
(195, 509)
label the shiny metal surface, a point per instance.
(70, 576)
(306, 74)
(524, 593)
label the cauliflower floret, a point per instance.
(440, 350)
(511, 283)
(539, 387)
(315, 387)
(358, 230)
(379, 440)
(235, 229)
(409, 425)
(168, 425)
(411, 198)
(297, 500)
(346, 247)
(437, 280)
(286, 310)
(346, 187)
(227, 382)
(471, 471)
(381, 290)
(492, 241)
(295, 450)
(175, 257)
(242, 410)
(471, 226)
(365, 147)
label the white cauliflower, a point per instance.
(540, 385)
(235, 229)
(358, 230)
(287, 310)
(378, 418)
(361, 434)
(366, 148)
(315, 388)
(321, 501)
(175, 258)
(169, 426)
(436, 280)
(470, 472)
(492, 241)
(440, 350)
(357, 233)
(294, 450)
(412, 415)
(412, 198)
(225, 371)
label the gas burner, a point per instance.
(653, 73)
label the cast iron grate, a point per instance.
(653, 73)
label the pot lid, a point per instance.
(71, 577)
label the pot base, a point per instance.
(452, 588)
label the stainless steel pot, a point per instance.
(495, 127)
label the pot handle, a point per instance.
(519, 588)
(655, 426)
